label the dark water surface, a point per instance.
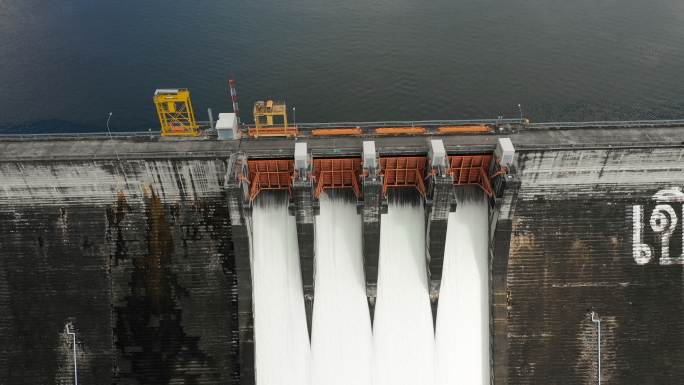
(65, 64)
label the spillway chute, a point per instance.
(248, 178)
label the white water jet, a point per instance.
(462, 330)
(403, 333)
(282, 353)
(341, 341)
(402, 348)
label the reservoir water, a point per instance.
(66, 64)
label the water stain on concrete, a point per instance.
(149, 330)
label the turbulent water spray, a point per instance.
(402, 349)
(282, 354)
(462, 331)
(341, 341)
(403, 334)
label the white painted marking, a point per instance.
(642, 252)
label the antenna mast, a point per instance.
(233, 97)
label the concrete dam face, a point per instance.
(134, 256)
(572, 243)
(151, 257)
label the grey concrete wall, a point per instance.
(135, 255)
(571, 251)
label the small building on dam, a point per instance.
(130, 256)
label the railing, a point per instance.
(404, 123)
(607, 124)
(367, 127)
(76, 135)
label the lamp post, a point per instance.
(595, 319)
(73, 338)
(294, 116)
(109, 117)
(521, 114)
(111, 138)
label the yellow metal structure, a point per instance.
(270, 119)
(265, 112)
(176, 116)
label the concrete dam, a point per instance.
(147, 252)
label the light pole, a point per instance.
(521, 114)
(111, 138)
(294, 116)
(595, 319)
(73, 338)
(108, 130)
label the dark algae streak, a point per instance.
(149, 330)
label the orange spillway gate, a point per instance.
(333, 173)
(269, 174)
(404, 171)
(471, 170)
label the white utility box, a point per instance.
(438, 155)
(504, 152)
(370, 158)
(301, 156)
(227, 126)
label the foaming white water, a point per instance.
(281, 339)
(403, 334)
(341, 341)
(462, 334)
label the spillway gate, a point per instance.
(370, 176)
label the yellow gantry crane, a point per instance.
(174, 109)
(270, 119)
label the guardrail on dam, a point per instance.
(131, 243)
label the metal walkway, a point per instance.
(305, 129)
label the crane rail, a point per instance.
(367, 128)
